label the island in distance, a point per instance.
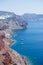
(9, 20)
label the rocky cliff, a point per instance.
(9, 20)
(7, 55)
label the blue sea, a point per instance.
(29, 42)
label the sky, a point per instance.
(22, 6)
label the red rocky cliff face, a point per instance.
(7, 55)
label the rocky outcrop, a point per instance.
(7, 55)
(9, 20)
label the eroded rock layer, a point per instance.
(7, 55)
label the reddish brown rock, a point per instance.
(7, 55)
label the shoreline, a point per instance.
(13, 55)
(26, 60)
(23, 57)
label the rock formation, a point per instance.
(7, 55)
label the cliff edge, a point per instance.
(7, 55)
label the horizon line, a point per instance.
(22, 13)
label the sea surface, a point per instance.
(29, 42)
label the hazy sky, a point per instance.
(22, 6)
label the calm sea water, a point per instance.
(29, 42)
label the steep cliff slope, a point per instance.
(7, 55)
(11, 20)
